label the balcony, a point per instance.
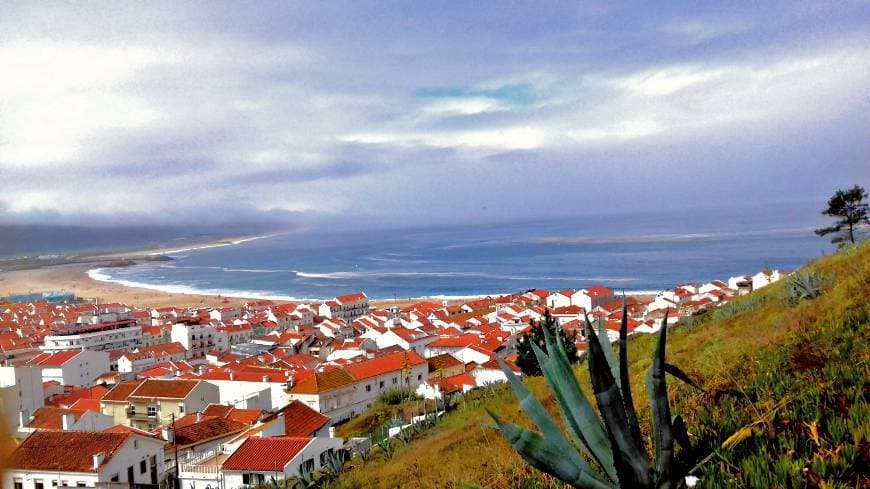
(142, 415)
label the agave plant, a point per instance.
(805, 284)
(334, 465)
(303, 480)
(387, 447)
(613, 441)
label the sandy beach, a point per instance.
(69, 274)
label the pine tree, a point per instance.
(526, 360)
(850, 208)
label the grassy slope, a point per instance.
(797, 375)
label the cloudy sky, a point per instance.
(424, 112)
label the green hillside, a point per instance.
(786, 385)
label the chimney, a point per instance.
(332, 431)
(166, 433)
(198, 416)
(67, 420)
(201, 369)
(291, 381)
(98, 459)
(232, 375)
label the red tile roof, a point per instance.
(265, 454)
(56, 359)
(51, 418)
(329, 379)
(246, 416)
(164, 389)
(301, 420)
(65, 451)
(122, 391)
(385, 364)
(209, 428)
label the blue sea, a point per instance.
(637, 252)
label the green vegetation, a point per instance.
(526, 360)
(394, 397)
(785, 401)
(616, 445)
(850, 209)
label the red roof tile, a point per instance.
(51, 418)
(265, 454)
(66, 451)
(164, 389)
(301, 420)
(385, 364)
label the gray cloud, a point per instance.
(215, 112)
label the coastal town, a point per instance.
(108, 395)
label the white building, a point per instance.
(347, 307)
(83, 459)
(258, 459)
(118, 335)
(71, 367)
(767, 277)
(198, 338)
(21, 395)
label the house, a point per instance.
(149, 356)
(347, 307)
(150, 403)
(344, 392)
(766, 277)
(198, 338)
(84, 459)
(444, 365)
(408, 339)
(259, 459)
(592, 297)
(71, 367)
(198, 433)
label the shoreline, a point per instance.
(75, 274)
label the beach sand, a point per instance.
(74, 278)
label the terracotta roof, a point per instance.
(51, 418)
(265, 454)
(87, 405)
(351, 298)
(246, 416)
(69, 398)
(122, 391)
(65, 451)
(455, 341)
(120, 428)
(385, 364)
(53, 359)
(164, 389)
(208, 429)
(442, 361)
(301, 420)
(329, 379)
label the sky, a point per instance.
(414, 113)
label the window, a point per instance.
(18, 484)
(368, 388)
(81, 484)
(395, 380)
(381, 384)
(181, 408)
(419, 376)
(252, 479)
(152, 410)
(38, 484)
(115, 478)
(143, 467)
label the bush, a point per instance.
(394, 397)
(804, 284)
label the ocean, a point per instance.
(637, 252)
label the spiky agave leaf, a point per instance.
(663, 437)
(678, 373)
(632, 465)
(541, 418)
(625, 381)
(607, 349)
(547, 457)
(577, 413)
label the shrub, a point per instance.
(394, 397)
(804, 284)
